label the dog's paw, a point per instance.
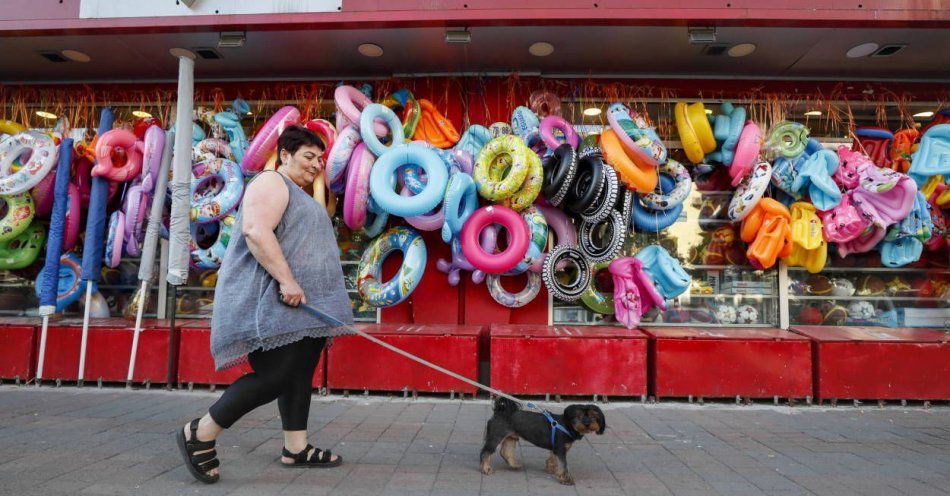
(565, 479)
(488, 470)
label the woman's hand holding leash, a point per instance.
(291, 293)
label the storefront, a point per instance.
(479, 66)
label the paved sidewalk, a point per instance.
(112, 441)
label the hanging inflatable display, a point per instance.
(571, 203)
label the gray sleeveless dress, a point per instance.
(247, 314)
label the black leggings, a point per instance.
(284, 374)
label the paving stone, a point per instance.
(114, 442)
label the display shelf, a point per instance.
(698, 324)
(869, 298)
(20, 313)
(876, 269)
(903, 308)
(728, 295)
(719, 267)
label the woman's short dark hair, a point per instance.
(295, 137)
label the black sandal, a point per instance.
(200, 464)
(321, 458)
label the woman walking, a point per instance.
(283, 253)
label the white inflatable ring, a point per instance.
(659, 201)
(750, 191)
(34, 170)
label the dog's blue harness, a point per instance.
(555, 426)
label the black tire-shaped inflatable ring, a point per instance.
(587, 186)
(559, 171)
(578, 286)
(618, 235)
(608, 200)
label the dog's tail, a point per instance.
(505, 407)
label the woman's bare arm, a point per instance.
(264, 203)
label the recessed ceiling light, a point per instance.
(741, 50)
(862, 50)
(924, 114)
(708, 111)
(812, 113)
(182, 52)
(234, 39)
(370, 50)
(46, 115)
(701, 35)
(541, 49)
(592, 111)
(458, 36)
(141, 113)
(75, 55)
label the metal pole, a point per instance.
(178, 231)
(42, 357)
(135, 336)
(85, 334)
(172, 343)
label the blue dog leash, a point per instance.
(555, 426)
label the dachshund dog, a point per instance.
(510, 423)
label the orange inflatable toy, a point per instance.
(901, 149)
(767, 229)
(434, 128)
(639, 176)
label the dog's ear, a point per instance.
(571, 413)
(601, 420)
